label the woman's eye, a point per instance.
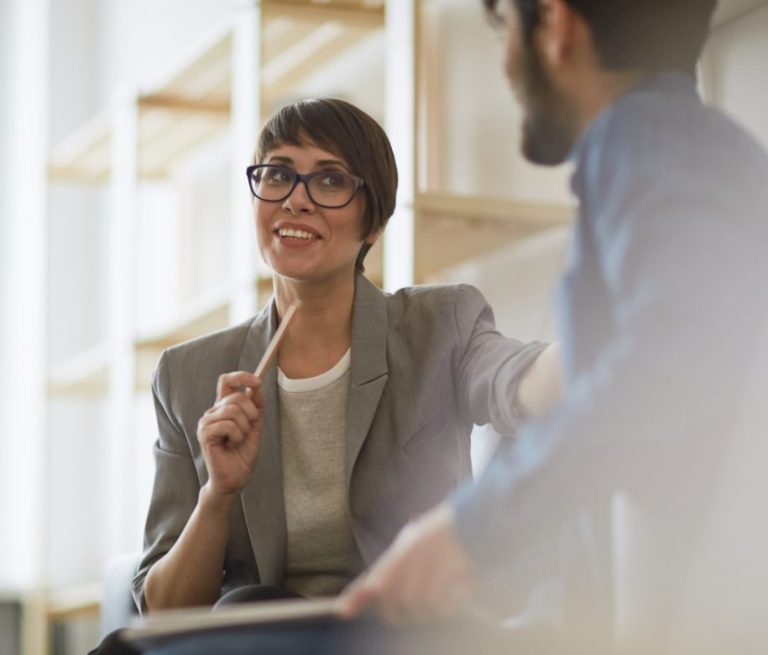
(332, 180)
(277, 177)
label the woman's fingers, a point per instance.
(243, 402)
(229, 383)
(232, 413)
(220, 431)
(237, 410)
(229, 432)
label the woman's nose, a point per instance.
(299, 200)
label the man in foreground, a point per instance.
(662, 312)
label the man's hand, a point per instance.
(425, 574)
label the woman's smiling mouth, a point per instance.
(287, 232)
(294, 234)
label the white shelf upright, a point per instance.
(246, 121)
(119, 462)
(401, 25)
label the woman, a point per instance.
(296, 482)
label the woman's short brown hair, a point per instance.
(341, 128)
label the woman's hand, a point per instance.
(229, 433)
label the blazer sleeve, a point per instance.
(488, 365)
(176, 486)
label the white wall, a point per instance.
(735, 70)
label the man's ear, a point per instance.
(556, 30)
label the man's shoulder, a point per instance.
(671, 142)
(656, 126)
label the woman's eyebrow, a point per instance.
(331, 162)
(320, 163)
(282, 160)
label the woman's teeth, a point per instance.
(295, 234)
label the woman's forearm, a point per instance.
(540, 387)
(190, 573)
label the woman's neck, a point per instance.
(321, 331)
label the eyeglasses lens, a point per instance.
(326, 188)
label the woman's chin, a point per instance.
(309, 274)
(298, 271)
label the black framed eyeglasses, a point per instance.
(330, 189)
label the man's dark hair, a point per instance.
(341, 128)
(650, 35)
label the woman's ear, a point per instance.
(373, 237)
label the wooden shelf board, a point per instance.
(85, 374)
(165, 137)
(165, 134)
(192, 320)
(185, 104)
(146, 362)
(353, 13)
(508, 210)
(452, 228)
(84, 155)
(74, 602)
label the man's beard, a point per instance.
(548, 126)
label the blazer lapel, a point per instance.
(262, 497)
(369, 373)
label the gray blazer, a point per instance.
(427, 363)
